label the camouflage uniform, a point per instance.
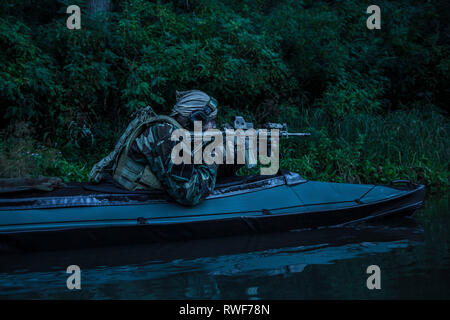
(142, 157)
(188, 184)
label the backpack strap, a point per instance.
(134, 176)
(143, 117)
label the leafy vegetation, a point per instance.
(374, 100)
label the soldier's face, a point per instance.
(188, 125)
(210, 124)
(184, 122)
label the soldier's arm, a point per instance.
(188, 184)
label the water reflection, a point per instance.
(318, 264)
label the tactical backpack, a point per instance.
(128, 173)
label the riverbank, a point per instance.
(358, 148)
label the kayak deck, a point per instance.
(244, 205)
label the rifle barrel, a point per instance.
(298, 134)
(281, 134)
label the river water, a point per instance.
(413, 255)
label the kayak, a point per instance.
(83, 215)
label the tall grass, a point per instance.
(372, 148)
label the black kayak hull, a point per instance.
(145, 231)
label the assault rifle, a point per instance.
(240, 123)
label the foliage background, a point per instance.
(375, 101)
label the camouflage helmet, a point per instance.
(192, 101)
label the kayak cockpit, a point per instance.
(108, 193)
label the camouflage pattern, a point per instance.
(108, 164)
(188, 184)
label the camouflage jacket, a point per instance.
(188, 184)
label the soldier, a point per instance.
(142, 157)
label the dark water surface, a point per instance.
(412, 253)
